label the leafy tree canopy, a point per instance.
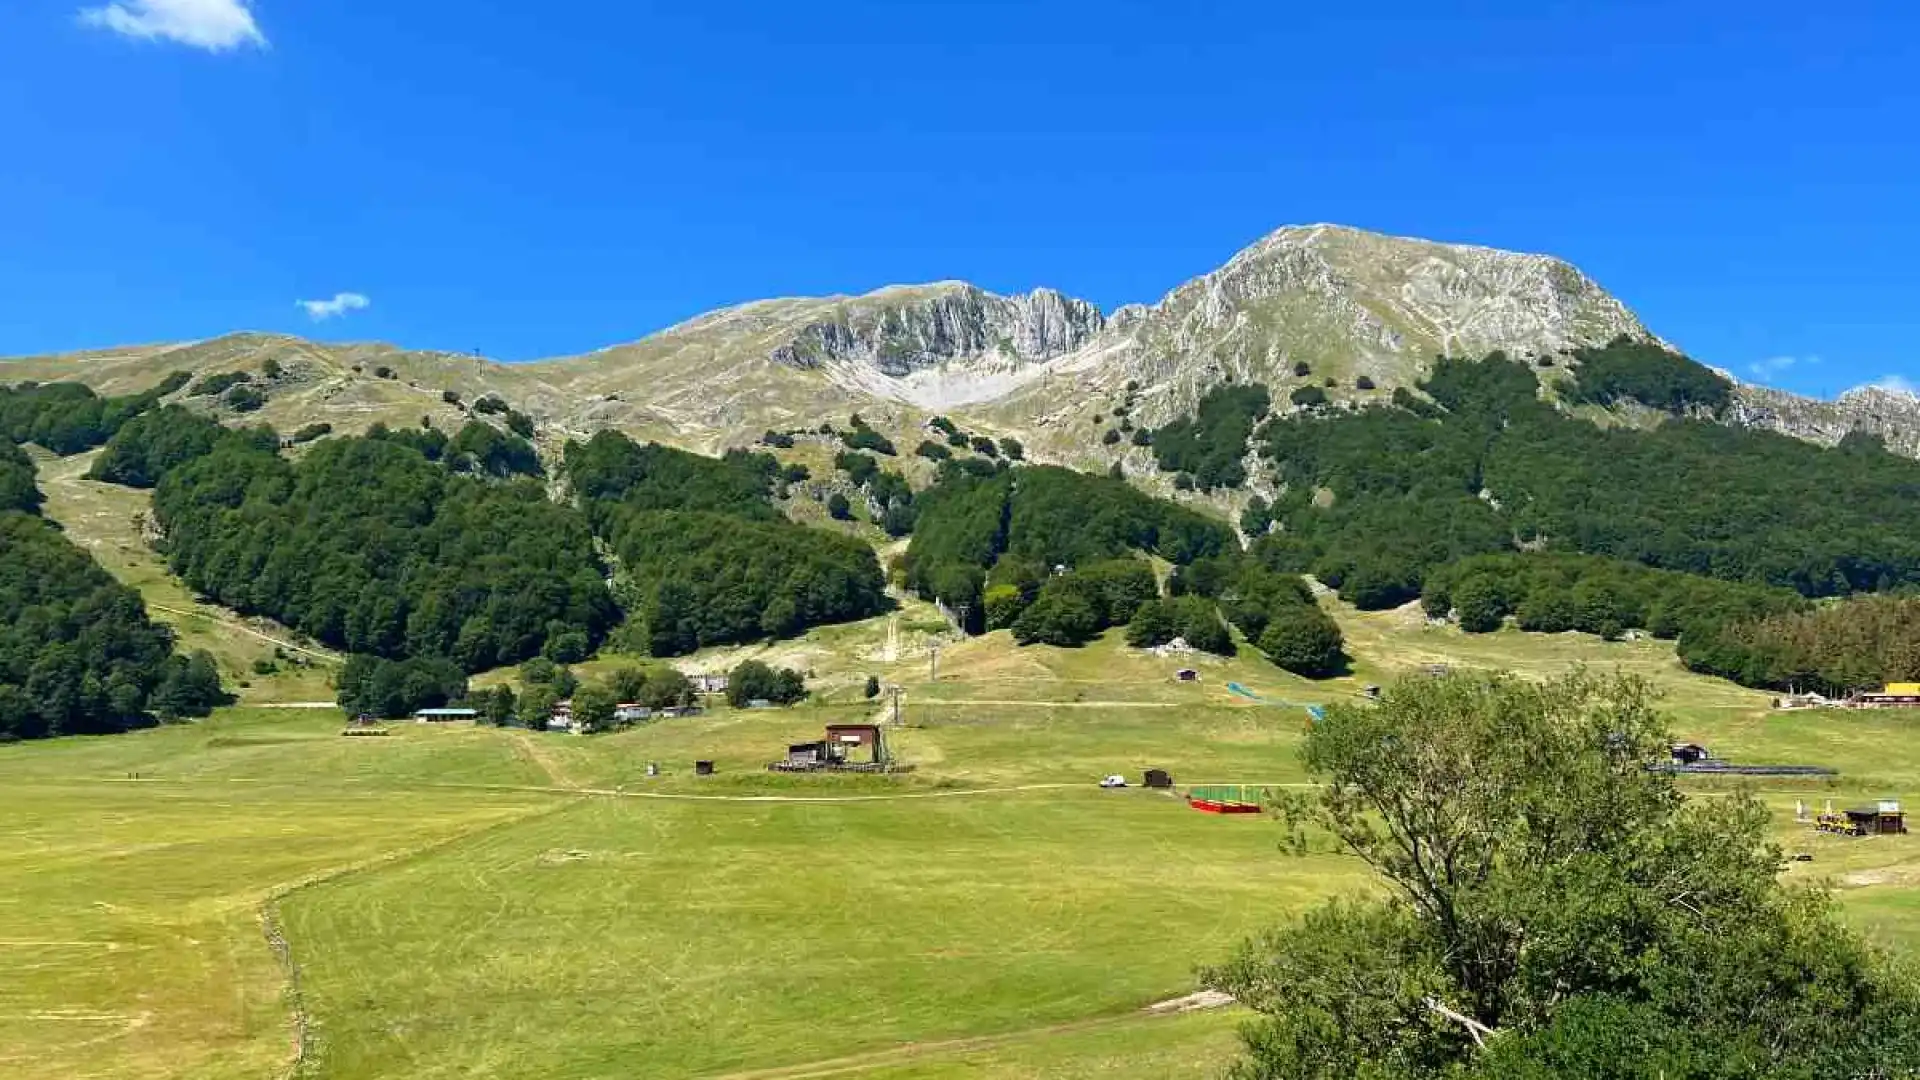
(1629, 370)
(753, 681)
(369, 547)
(1211, 444)
(1551, 907)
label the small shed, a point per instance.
(446, 716)
(809, 755)
(844, 737)
(1187, 674)
(628, 712)
(1882, 819)
(1157, 778)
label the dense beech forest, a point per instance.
(368, 546)
(1275, 610)
(705, 556)
(1036, 519)
(1375, 499)
(432, 555)
(78, 655)
(695, 578)
(1208, 447)
(68, 418)
(18, 491)
(145, 447)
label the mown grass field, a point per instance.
(476, 902)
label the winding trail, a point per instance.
(235, 624)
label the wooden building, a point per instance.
(839, 751)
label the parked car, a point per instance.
(1114, 781)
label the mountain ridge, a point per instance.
(1353, 312)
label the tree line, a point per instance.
(370, 547)
(1209, 447)
(1373, 500)
(705, 556)
(78, 654)
(1275, 610)
(68, 418)
(1859, 643)
(1043, 516)
(145, 447)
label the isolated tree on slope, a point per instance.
(1553, 909)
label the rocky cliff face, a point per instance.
(901, 331)
(1892, 415)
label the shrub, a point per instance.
(1304, 640)
(752, 681)
(1059, 616)
(245, 399)
(1308, 397)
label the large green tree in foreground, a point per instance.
(1551, 908)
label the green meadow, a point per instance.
(466, 902)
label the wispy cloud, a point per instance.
(1774, 365)
(1899, 384)
(213, 25)
(319, 310)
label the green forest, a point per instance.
(145, 447)
(1860, 643)
(705, 557)
(1376, 499)
(368, 546)
(1040, 517)
(1208, 446)
(67, 418)
(78, 654)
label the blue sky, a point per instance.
(534, 179)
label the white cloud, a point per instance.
(1899, 384)
(1774, 365)
(319, 310)
(213, 25)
